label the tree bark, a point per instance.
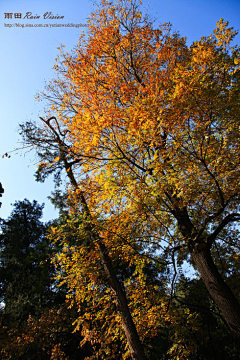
(218, 289)
(134, 343)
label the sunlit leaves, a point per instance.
(149, 129)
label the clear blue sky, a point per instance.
(28, 54)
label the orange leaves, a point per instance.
(142, 106)
(149, 129)
(224, 34)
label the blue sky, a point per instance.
(27, 56)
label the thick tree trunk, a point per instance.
(219, 290)
(134, 343)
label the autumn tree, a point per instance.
(147, 130)
(90, 291)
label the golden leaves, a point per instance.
(156, 126)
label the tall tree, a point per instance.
(147, 130)
(142, 279)
(25, 285)
(35, 321)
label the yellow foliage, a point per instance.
(150, 130)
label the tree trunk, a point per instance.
(134, 343)
(219, 290)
